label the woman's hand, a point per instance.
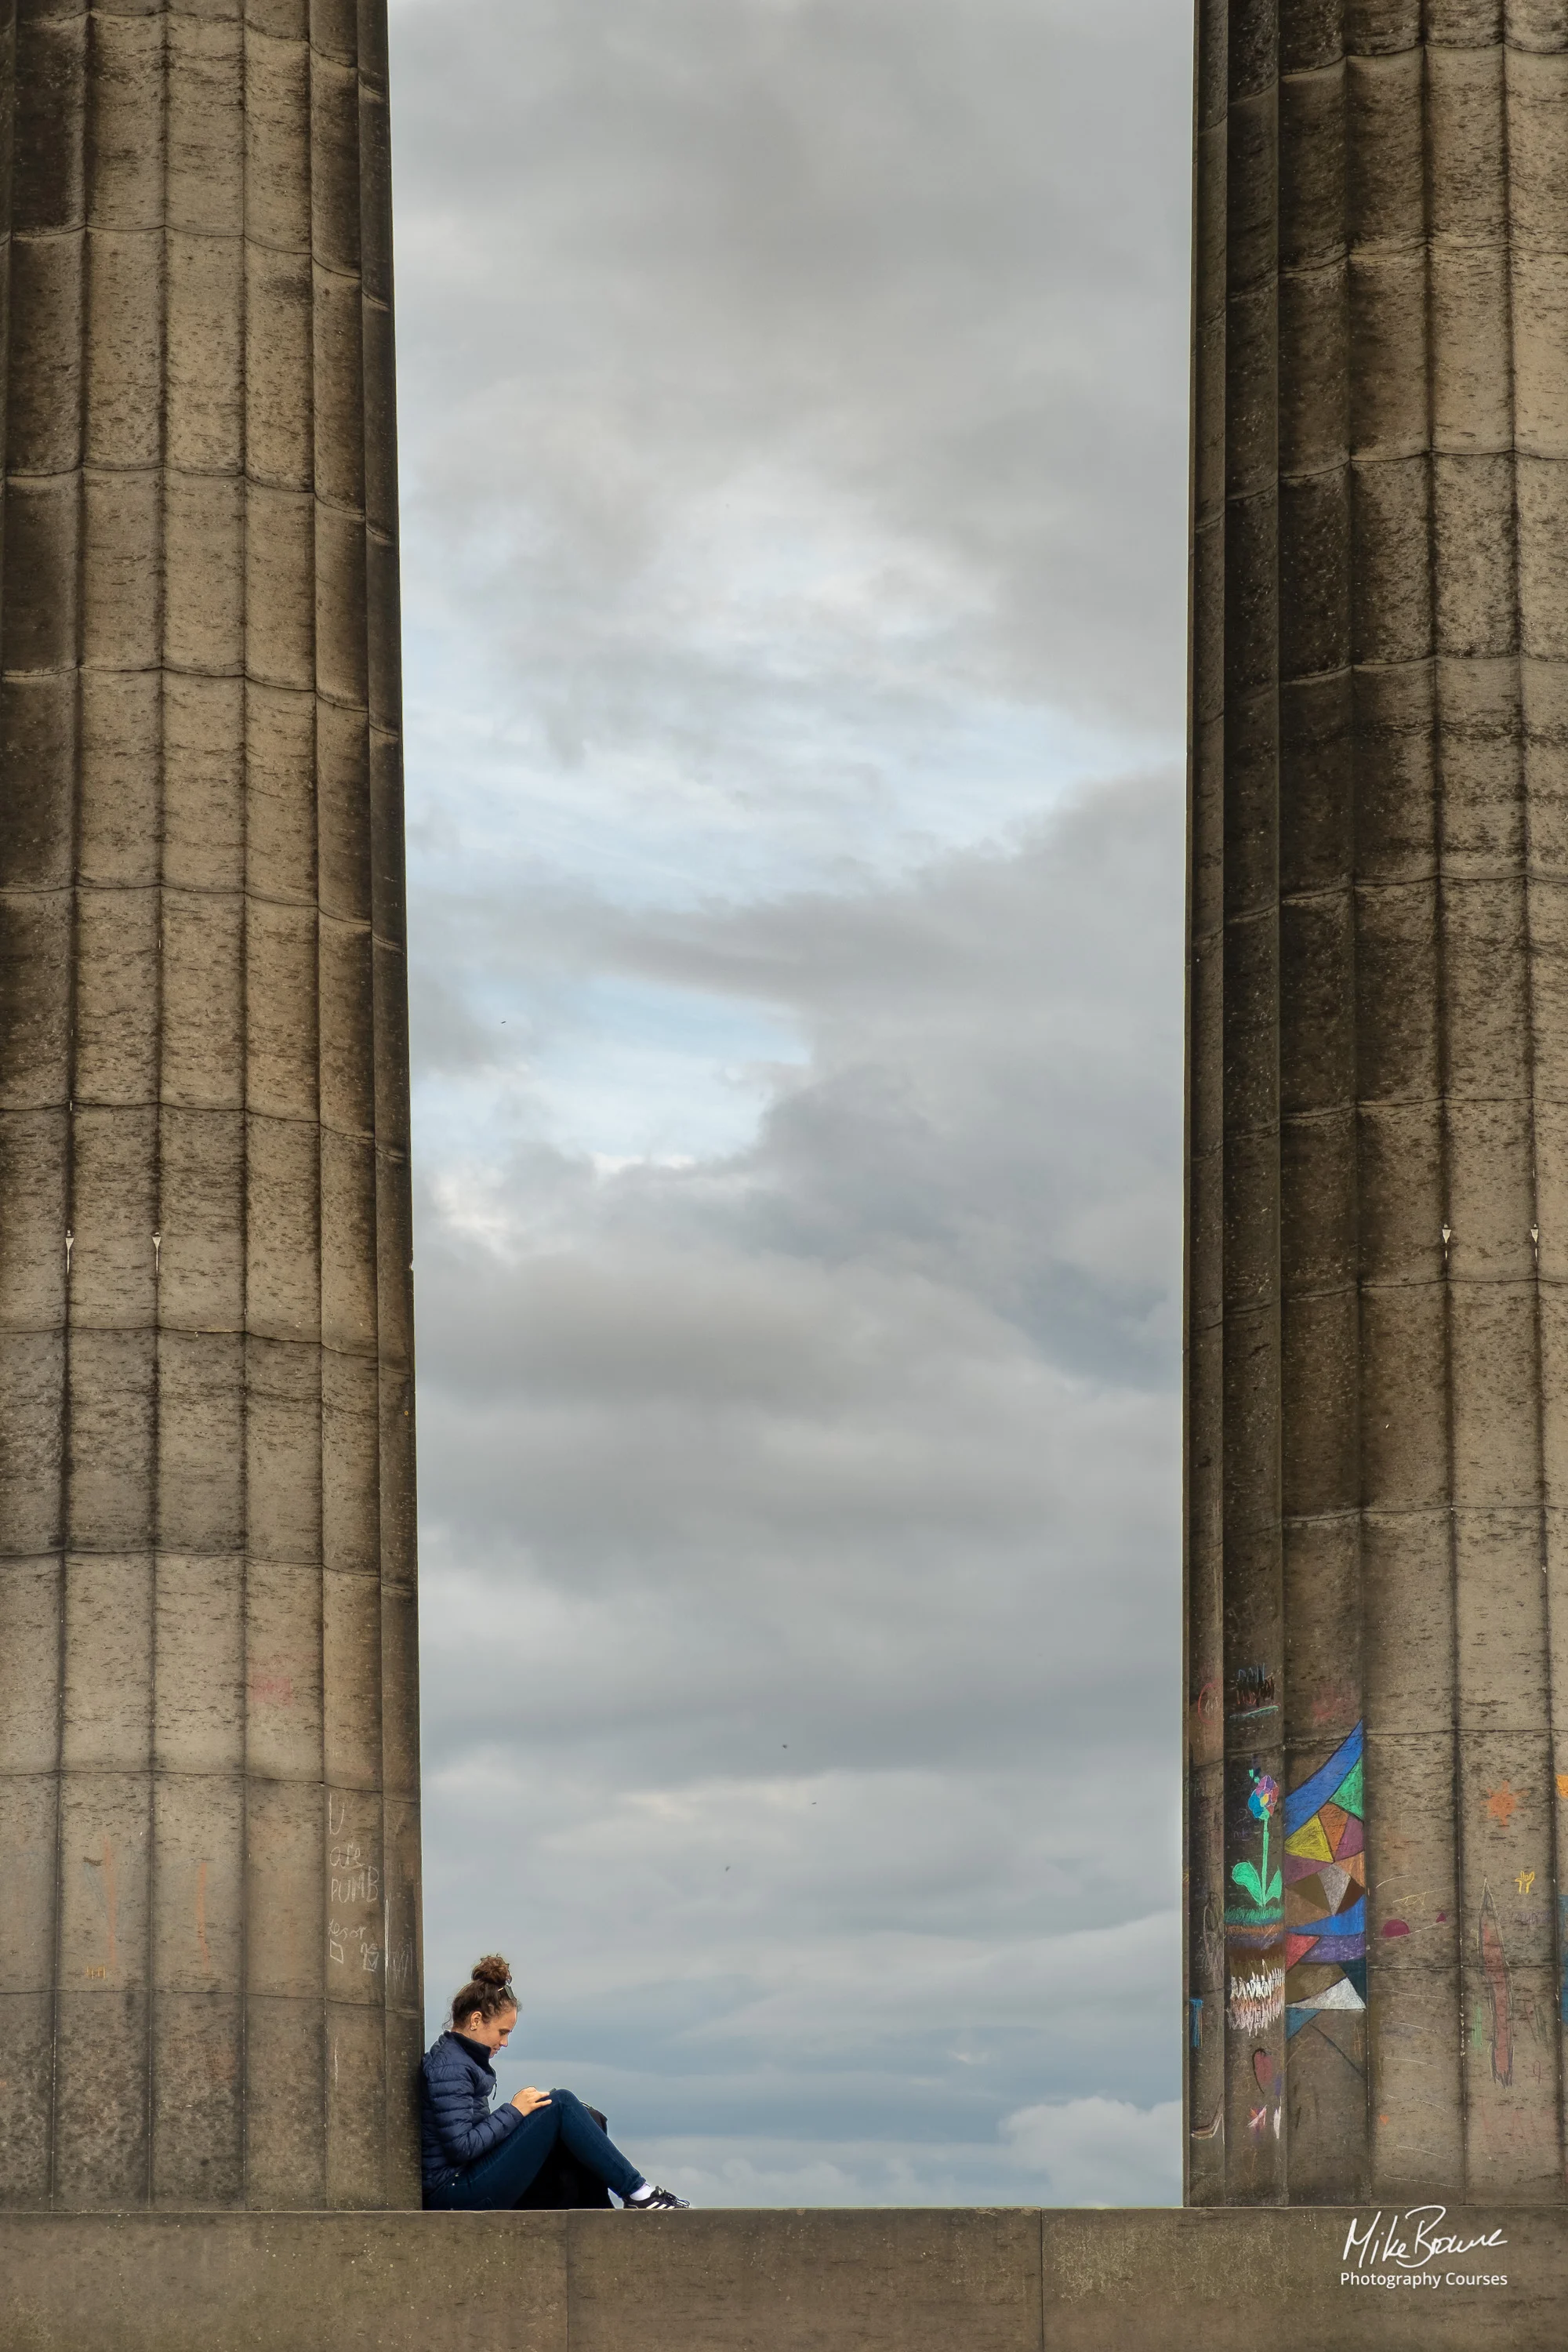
(529, 2102)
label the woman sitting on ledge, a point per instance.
(475, 2161)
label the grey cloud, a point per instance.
(914, 255)
(991, 1097)
(1077, 2152)
(445, 1035)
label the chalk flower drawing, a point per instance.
(1254, 1913)
(1253, 1918)
(1262, 1805)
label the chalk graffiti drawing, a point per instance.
(1254, 1921)
(1499, 2002)
(1256, 2000)
(1325, 1890)
(1207, 1726)
(1254, 1691)
(105, 1885)
(1503, 1803)
(1254, 1880)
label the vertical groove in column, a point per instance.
(72, 649)
(287, 2119)
(246, 337)
(247, 341)
(1412, 1908)
(356, 1974)
(198, 1937)
(383, 906)
(1253, 1560)
(36, 865)
(1326, 2109)
(70, 219)
(1536, 1945)
(7, 145)
(157, 1878)
(1205, 1952)
(1511, 2133)
(106, 1794)
(1535, 92)
(1453, 1823)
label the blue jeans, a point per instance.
(493, 2182)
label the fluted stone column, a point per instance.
(1378, 1173)
(209, 1963)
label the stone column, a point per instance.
(1377, 1368)
(209, 1955)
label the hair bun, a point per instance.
(492, 1970)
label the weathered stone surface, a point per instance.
(920, 2282)
(776, 2282)
(209, 1963)
(1378, 1386)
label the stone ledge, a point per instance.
(863, 2280)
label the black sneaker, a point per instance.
(658, 2200)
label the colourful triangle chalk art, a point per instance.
(1325, 1890)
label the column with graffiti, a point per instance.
(1377, 1334)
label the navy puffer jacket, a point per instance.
(457, 2083)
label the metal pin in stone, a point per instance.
(1535, 1242)
(157, 1254)
(1448, 1237)
(70, 1245)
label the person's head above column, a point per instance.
(485, 2009)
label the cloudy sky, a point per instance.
(795, 498)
